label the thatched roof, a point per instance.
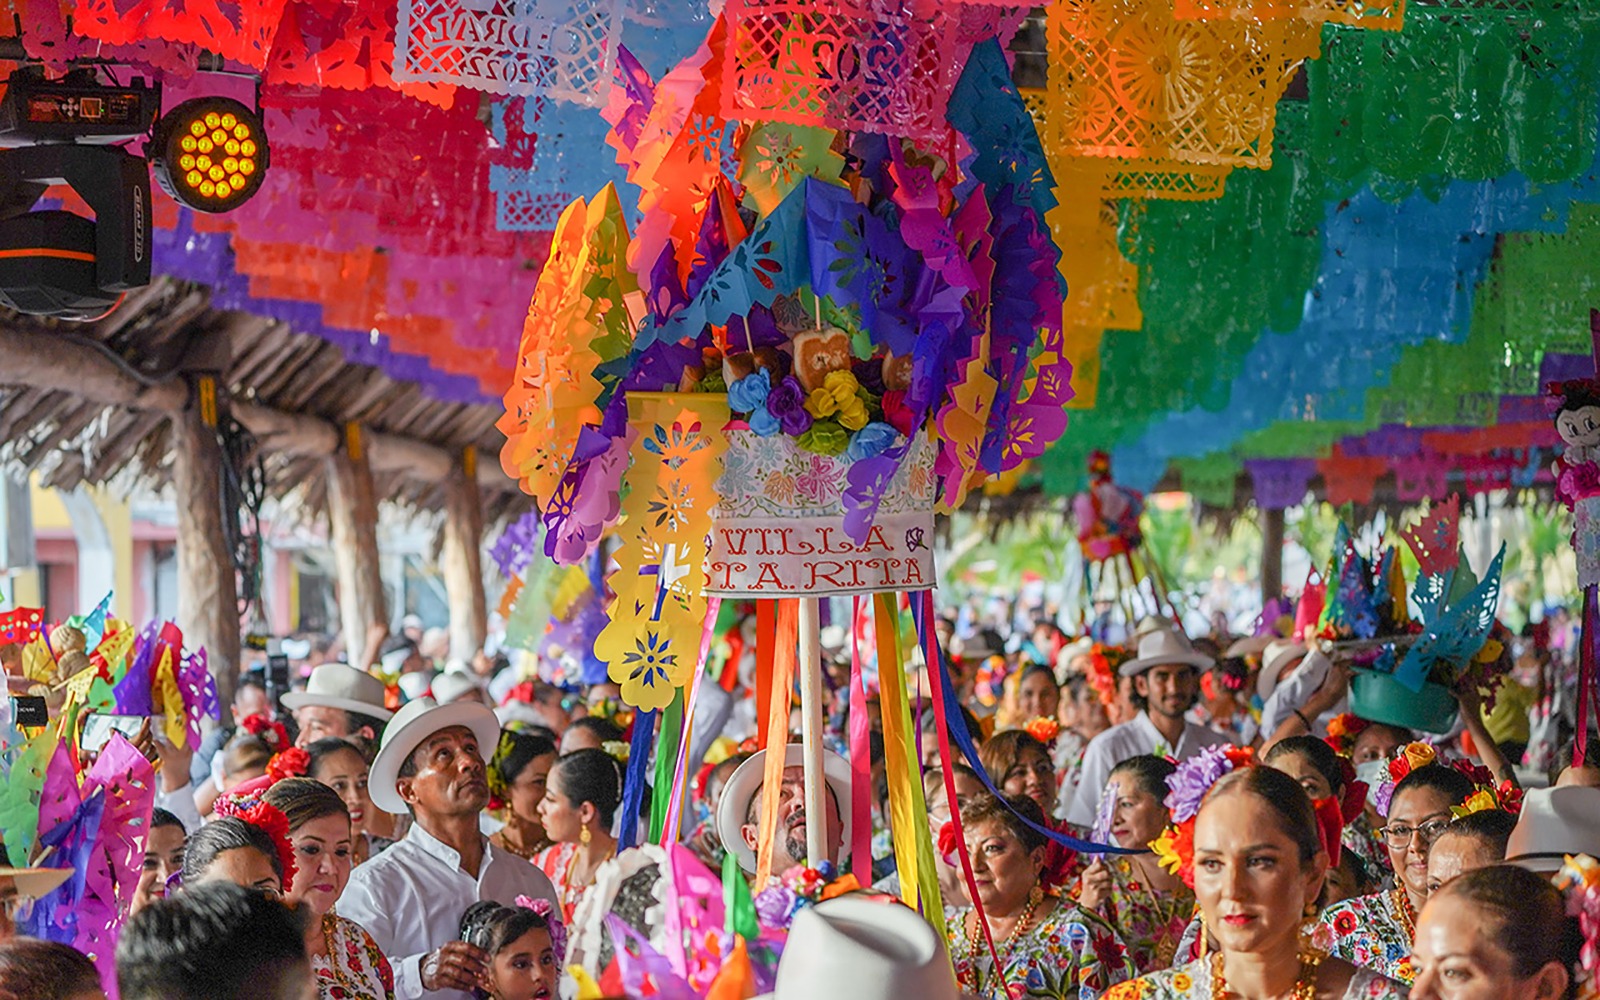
(58, 379)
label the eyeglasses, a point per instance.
(1399, 835)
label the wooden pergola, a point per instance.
(143, 382)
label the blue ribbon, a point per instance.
(963, 741)
(644, 730)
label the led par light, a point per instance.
(209, 153)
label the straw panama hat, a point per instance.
(745, 782)
(35, 883)
(1250, 645)
(339, 685)
(414, 723)
(1164, 648)
(865, 948)
(1276, 656)
(1555, 822)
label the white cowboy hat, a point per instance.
(1153, 623)
(35, 883)
(1165, 648)
(414, 723)
(1273, 659)
(1071, 651)
(1250, 645)
(453, 685)
(745, 782)
(1555, 822)
(865, 948)
(415, 685)
(339, 685)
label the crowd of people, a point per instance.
(1164, 818)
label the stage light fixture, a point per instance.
(209, 153)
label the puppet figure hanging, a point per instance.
(1117, 565)
(1108, 514)
(1576, 405)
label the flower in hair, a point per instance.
(1043, 729)
(1343, 730)
(1186, 790)
(1579, 881)
(552, 919)
(1490, 797)
(291, 763)
(1188, 785)
(270, 731)
(618, 750)
(498, 792)
(267, 818)
(1410, 757)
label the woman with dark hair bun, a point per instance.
(1497, 933)
(519, 774)
(580, 801)
(230, 849)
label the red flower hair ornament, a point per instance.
(269, 819)
(270, 731)
(291, 763)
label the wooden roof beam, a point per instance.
(42, 361)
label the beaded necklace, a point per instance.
(1402, 909)
(1305, 987)
(1010, 943)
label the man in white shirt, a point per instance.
(1166, 684)
(411, 897)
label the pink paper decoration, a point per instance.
(20, 625)
(561, 48)
(871, 65)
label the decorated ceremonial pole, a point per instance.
(811, 730)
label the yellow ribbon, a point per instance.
(908, 811)
(786, 649)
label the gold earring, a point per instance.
(583, 836)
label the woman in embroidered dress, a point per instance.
(519, 776)
(1376, 931)
(1258, 864)
(1148, 905)
(1498, 933)
(1047, 947)
(581, 797)
(526, 945)
(345, 959)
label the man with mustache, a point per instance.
(410, 898)
(739, 811)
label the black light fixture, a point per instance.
(209, 153)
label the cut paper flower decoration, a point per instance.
(886, 321)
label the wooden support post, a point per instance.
(461, 558)
(353, 527)
(208, 590)
(1271, 555)
(811, 732)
